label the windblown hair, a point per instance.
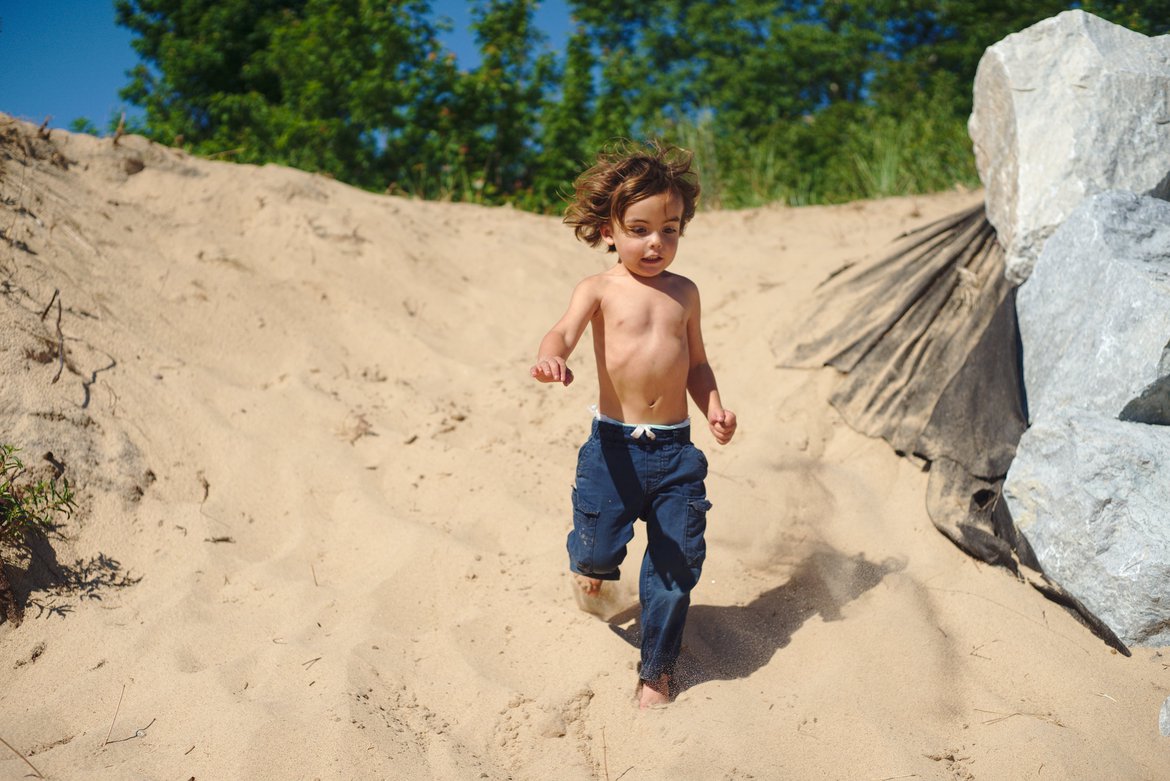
(624, 175)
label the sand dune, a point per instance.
(323, 509)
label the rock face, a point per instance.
(1069, 107)
(1095, 316)
(1092, 496)
(1090, 484)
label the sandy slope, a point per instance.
(334, 385)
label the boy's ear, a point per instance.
(607, 235)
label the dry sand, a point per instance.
(323, 509)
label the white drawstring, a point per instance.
(640, 430)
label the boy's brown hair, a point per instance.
(624, 175)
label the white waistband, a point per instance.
(639, 429)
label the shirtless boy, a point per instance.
(639, 461)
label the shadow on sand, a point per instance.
(727, 642)
(53, 588)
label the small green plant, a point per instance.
(28, 506)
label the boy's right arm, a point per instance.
(558, 343)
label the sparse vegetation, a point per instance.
(28, 506)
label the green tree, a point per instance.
(502, 98)
(203, 74)
(354, 75)
(564, 118)
(84, 125)
(324, 85)
(747, 64)
(779, 98)
(922, 38)
(1151, 17)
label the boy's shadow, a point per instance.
(722, 643)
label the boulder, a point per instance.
(1069, 107)
(1091, 495)
(1094, 317)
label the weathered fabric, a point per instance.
(927, 343)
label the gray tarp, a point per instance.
(928, 347)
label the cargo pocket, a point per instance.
(698, 466)
(583, 535)
(585, 457)
(696, 543)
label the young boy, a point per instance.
(639, 461)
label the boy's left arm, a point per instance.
(701, 381)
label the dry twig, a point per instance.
(111, 732)
(60, 336)
(604, 755)
(45, 311)
(22, 756)
(1005, 716)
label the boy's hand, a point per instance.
(722, 425)
(552, 370)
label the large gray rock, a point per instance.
(1095, 315)
(1071, 106)
(1092, 495)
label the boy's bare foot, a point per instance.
(587, 592)
(654, 693)
(590, 587)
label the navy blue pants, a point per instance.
(621, 479)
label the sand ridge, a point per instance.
(324, 509)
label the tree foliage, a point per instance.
(344, 87)
(781, 99)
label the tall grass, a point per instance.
(844, 153)
(834, 157)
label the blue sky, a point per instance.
(68, 59)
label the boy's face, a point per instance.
(650, 239)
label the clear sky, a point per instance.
(67, 59)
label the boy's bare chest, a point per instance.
(642, 314)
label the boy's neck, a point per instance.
(661, 277)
